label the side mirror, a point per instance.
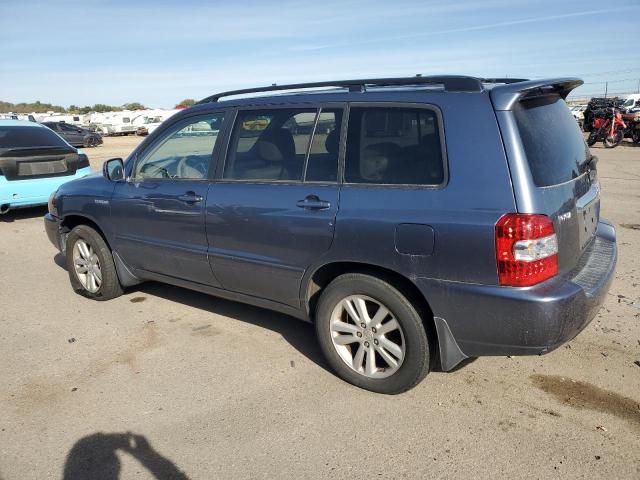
(113, 170)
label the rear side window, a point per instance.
(291, 145)
(25, 137)
(394, 146)
(554, 146)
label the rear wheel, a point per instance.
(92, 271)
(635, 135)
(615, 140)
(593, 138)
(371, 334)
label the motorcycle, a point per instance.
(609, 127)
(632, 120)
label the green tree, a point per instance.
(187, 102)
(101, 107)
(23, 107)
(133, 106)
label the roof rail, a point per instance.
(451, 83)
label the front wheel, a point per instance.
(615, 140)
(92, 271)
(635, 135)
(371, 334)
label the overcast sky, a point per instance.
(159, 52)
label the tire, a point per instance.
(410, 337)
(593, 138)
(90, 142)
(613, 142)
(635, 135)
(87, 250)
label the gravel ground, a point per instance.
(167, 383)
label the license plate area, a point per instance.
(30, 169)
(588, 223)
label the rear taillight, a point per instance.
(526, 249)
(83, 161)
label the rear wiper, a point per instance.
(590, 167)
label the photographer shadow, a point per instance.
(94, 458)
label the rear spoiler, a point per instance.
(504, 97)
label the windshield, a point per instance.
(28, 137)
(554, 145)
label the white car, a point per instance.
(578, 112)
(630, 101)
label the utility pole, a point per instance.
(606, 89)
(638, 87)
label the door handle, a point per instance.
(190, 197)
(313, 202)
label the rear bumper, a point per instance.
(28, 193)
(493, 320)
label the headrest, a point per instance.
(373, 163)
(332, 142)
(276, 145)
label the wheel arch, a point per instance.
(126, 277)
(325, 274)
(69, 222)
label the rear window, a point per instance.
(552, 140)
(25, 137)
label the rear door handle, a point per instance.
(313, 202)
(190, 197)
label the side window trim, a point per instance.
(309, 144)
(148, 149)
(342, 135)
(412, 106)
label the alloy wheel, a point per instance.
(367, 336)
(87, 266)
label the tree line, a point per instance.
(39, 107)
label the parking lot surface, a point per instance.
(168, 383)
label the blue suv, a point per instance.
(416, 221)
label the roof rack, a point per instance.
(451, 83)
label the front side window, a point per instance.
(394, 146)
(284, 145)
(185, 151)
(68, 128)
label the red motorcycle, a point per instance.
(609, 127)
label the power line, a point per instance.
(612, 81)
(598, 74)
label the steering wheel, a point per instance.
(189, 167)
(152, 171)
